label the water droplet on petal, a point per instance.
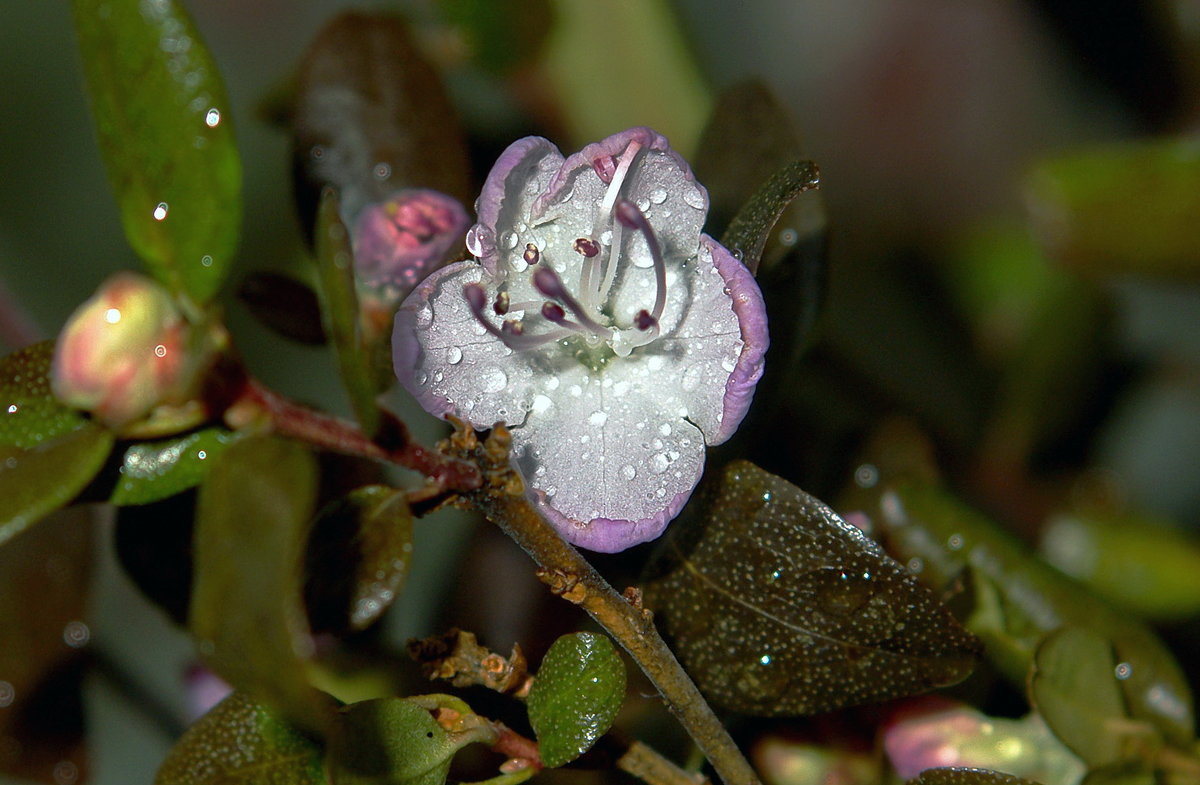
(541, 403)
(598, 418)
(728, 364)
(628, 472)
(691, 378)
(643, 204)
(693, 198)
(454, 355)
(552, 383)
(657, 196)
(659, 463)
(664, 429)
(425, 317)
(509, 240)
(493, 380)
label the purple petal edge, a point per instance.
(751, 314)
(605, 535)
(495, 188)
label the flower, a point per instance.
(400, 240)
(611, 336)
(125, 351)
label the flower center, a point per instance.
(582, 311)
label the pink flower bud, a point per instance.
(399, 241)
(124, 352)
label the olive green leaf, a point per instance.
(247, 609)
(575, 698)
(164, 128)
(777, 606)
(284, 305)
(239, 741)
(29, 412)
(151, 471)
(965, 776)
(747, 233)
(392, 741)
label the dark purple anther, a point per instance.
(531, 255)
(513, 327)
(587, 246)
(553, 312)
(476, 296)
(643, 320)
(501, 304)
(548, 283)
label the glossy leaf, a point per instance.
(45, 577)
(961, 776)
(1073, 685)
(1018, 599)
(151, 471)
(371, 116)
(285, 305)
(747, 233)
(339, 311)
(1128, 208)
(163, 123)
(777, 606)
(576, 696)
(1139, 562)
(241, 741)
(391, 741)
(247, 610)
(29, 412)
(39, 480)
(358, 557)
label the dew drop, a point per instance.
(728, 364)
(509, 240)
(552, 383)
(598, 418)
(494, 380)
(422, 378)
(789, 237)
(206, 260)
(438, 376)
(1123, 671)
(657, 196)
(475, 238)
(382, 170)
(659, 463)
(664, 429)
(454, 355)
(160, 211)
(655, 363)
(541, 403)
(693, 198)
(691, 378)
(76, 634)
(628, 472)
(661, 492)
(643, 204)
(212, 118)
(425, 317)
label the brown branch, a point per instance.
(502, 500)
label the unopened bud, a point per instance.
(125, 351)
(398, 242)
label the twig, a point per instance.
(502, 500)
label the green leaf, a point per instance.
(1019, 599)
(488, 30)
(164, 128)
(768, 588)
(747, 233)
(29, 412)
(39, 480)
(576, 695)
(1073, 685)
(392, 741)
(151, 471)
(339, 311)
(358, 557)
(247, 610)
(239, 741)
(284, 305)
(965, 776)
(1127, 208)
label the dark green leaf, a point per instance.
(779, 607)
(392, 741)
(239, 741)
(1018, 599)
(371, 117)
(284, 305)
(339, 311)
(747, 233)
(151, 471)
(500, 36)
(163, 122)
(41, 479)
(247, 610)
(1073, 685)
(29, 412)
(44, 581)
(154, 545)
(1129, 208)
(963, 776)
(575, 698)
(358, 558)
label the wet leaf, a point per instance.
(1135, 560)
(154, 545)
(339, 312)
(241, 741)
(29, 412)
(1019, 599)
(371, 116)
(779, 607)
(500, 37)
(285, 305)
(1128, 208)
(392, 741)
(151, 471)
(44, 581)
(576, 696)
(1073, 685)
(247, 610)
(747, 233)
(164, 127)
(960, 776)
(358, 558)
(39, 480)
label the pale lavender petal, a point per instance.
(520, 173)
(752, 319)
(605, 535)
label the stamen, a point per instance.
(629, 215)
(644, 321)
(548, 283)
(501, 304)
(587, 246)
(532, 255)
(512, 334)
(590, 250)
(553, 312)
(618, 177)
